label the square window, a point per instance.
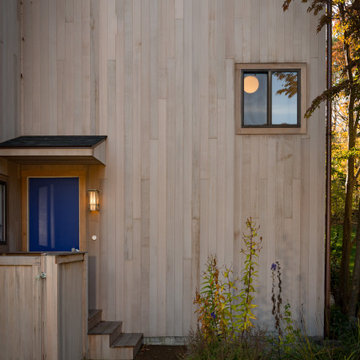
(2, 212)
(270, 98)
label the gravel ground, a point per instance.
(160, 352)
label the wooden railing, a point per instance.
(43, 306)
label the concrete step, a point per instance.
(94, 318)
(109, 330)
(125, 347)
(130, 342)
(106, 340)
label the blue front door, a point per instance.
(53, 214)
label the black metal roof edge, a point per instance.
(54, 141)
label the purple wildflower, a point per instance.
(213, 315)
(273, 267)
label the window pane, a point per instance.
(255, 99)
(284, 98)
(2, 213)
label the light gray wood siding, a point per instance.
(157, 77)
(10, 99)
(9, 68)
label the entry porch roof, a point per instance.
(64, 149)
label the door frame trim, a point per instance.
(53, 171)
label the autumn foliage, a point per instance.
(344, 94)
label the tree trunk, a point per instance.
(346, 245)
(347, 241)
(355, 283)
(347, 226)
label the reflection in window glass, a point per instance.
(255, 98)
(284, 98)
(2, 212)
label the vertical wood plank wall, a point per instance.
(9, 69)
(157, 77)
(10, 99)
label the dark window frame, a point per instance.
(269, 72)
(273, 130)
(4, 206)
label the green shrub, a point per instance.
(213, 306)
(223, 310)
(226, 321)
(250, 346)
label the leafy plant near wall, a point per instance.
(225, 311)
(251, 251)
(226, 320)
(287, 333)
(212, 303)
(276, 298)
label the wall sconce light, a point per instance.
(94, 200)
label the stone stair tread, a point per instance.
(94, 317)
(128, 340)
(93, 312)
(105, 328)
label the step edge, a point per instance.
(95, 311)
(116, 334)
(141, 337)
(119, 324)
(138, 346)
(94, 319)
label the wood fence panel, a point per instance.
(43, 317)
(70, 310)
(20, 308)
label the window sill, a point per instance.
(273, 131)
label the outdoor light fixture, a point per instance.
(251, 84)
(94, 200)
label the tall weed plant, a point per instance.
(291, 342)
(225, 302)
(225, 313)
